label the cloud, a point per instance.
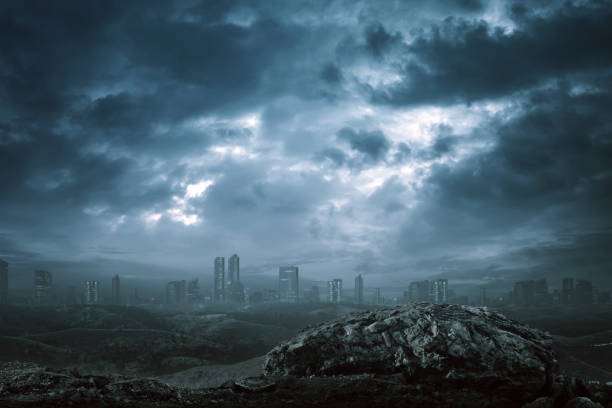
(464, 61)
(373, 145)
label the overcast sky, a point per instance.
(398, 139)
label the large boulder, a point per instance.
(449, 344)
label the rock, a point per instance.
(428, 343)
(582, 402)
(254, 384)
(542, 402)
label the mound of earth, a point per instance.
(428, 344)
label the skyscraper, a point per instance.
(359, 289)
(219, 287)
(567, 292)
(116, 290)
(193, 291)
(233, 269)
(176, 292)
(288, 283)
(3, 282)
(91, 292)
(42, 286)
(334, 291)
(583, 293)
(235, 288)
(378, 299)
(439, 291)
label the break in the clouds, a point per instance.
(399, 140)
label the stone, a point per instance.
(428, 343)
(582, 402)
(254, 384)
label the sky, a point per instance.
(401, 140)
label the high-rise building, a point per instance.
(233, 269)
(288, 283)
(219, 286)
(116, 290)
(524, 293)
(541, 292)
(334, 291)
(43, 280)
(235, 289)
(567, 292)
(359, 289)
(193, 291)
(583, 293)
(439, 291)
(420, 291)
(378, 299)
(91, 292)
(3, 282)
(176, 292)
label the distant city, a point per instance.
(227, 289)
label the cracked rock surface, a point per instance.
(426, 343)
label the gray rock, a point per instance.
(582, 402)
(542, 402)
(427, 343)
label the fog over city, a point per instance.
(467, 140)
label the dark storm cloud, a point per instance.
(112, 111)
(379, 41)
(462, 60)
(373, 145)
(549, 171)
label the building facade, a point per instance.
(43, 281)
(288, 283)
(219, 280)
(439, 291)
(359, 289)
(233, 269)
(92, 292)
(334, 291)
(116, 290)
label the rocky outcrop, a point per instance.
(447, 344)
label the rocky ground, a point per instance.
(23, 385)
(419, 355)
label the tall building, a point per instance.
(235, 289)
(116, 290)
(91, 292)
(583, 293)
(378, 299)
(193, 291)
(176, 292)
(524, 293)
(439, 291)
(420, 291)
(233, 269)
(3, 282)
(567, 292)
(541, 295)
(288, 283)
(219, 286)
(604, 298)
(334, 291)
(43, 280)
(359, 289)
